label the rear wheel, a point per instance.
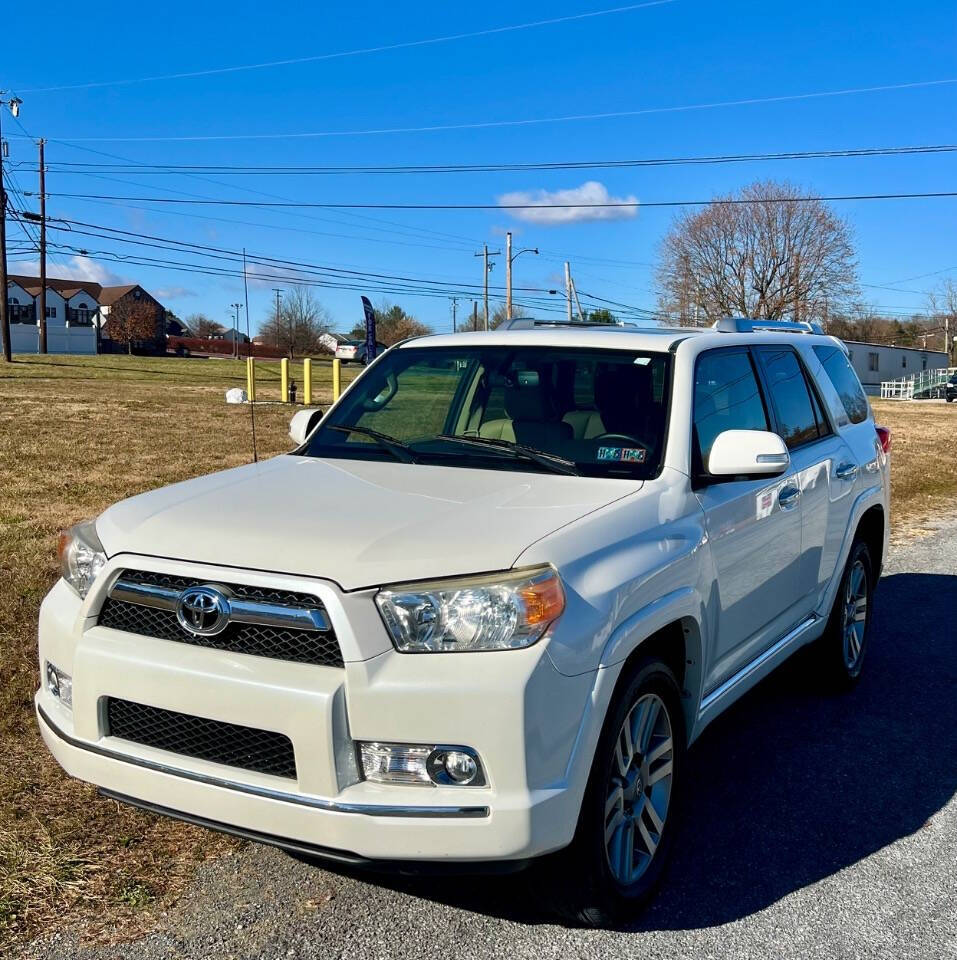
(626, 826)
(843, 644)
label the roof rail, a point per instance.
(748, 325)
(528, 323)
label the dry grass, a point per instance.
(77, 435)
(923, 462)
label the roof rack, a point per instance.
(748, 325)
(528, 323)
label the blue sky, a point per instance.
(674, 54)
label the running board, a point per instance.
(755, 665)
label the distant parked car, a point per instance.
(354, 351)
(950, 391)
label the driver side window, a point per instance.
(726, 397)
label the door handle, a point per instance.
(846, 471)
(789, 495)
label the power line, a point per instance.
(215, 71)
(617, 204)
(488, 124)
(153, 169)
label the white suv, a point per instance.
(484, 608)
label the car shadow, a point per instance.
(792, 785)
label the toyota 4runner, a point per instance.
(484, 607)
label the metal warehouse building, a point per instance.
(876, 362)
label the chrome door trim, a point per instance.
(267, 793)
(748, 669)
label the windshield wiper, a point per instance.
(397, 448)
(518, 450)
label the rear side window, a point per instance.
(791, 396)
(841, 374)
(726, 397)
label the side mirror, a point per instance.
(747, 453)
(303, 423)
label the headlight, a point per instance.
(498, 612)
(81, 556)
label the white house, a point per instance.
(76, 311)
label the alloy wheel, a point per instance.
(639, 790)
(855, 614)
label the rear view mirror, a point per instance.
(303, 423)
(747, 453)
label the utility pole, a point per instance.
(43, 252)
(508, 275)
(278, 291)
(568, 288)
(581, 313)
(488, 269)
(14, 104)
(475, 314)
(455, 300)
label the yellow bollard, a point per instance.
(307, 381)
(250, 380)
(336, 368)
(284, 380)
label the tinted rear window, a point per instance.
(841, 374)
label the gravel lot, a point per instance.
(815, 826)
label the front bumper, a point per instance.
(520, 714)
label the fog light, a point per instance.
(409, 763)
(460, 766)
(60, 684)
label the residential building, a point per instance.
(77, 313)
(878, 362)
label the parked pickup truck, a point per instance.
(482, 610)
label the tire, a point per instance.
(843, 645)
(588, 883)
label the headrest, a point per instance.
(527, 403)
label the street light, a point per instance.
(510, 258)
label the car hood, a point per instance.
(359, 523)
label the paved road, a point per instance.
(816, 827)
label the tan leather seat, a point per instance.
(585, 424)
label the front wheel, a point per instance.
(626, 827)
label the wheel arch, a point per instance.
(871, 529)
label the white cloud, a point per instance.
(550, 207)
(77, 268)
(173, 293)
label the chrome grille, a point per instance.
(263, 751)
(316, 645)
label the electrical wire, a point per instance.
(215, 71)
(531, 121)
(419, 169)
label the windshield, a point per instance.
(592, 412)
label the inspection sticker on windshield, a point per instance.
(623, 454)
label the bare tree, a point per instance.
(392, 324)
(771, 251)
(942, 306)
(299, 324)
(201, 326)
(133, 322)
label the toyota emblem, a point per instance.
(203, 611)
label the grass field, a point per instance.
(77, 434)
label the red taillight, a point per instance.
(884, 435)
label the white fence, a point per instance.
(25, 338)
(926, 385)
